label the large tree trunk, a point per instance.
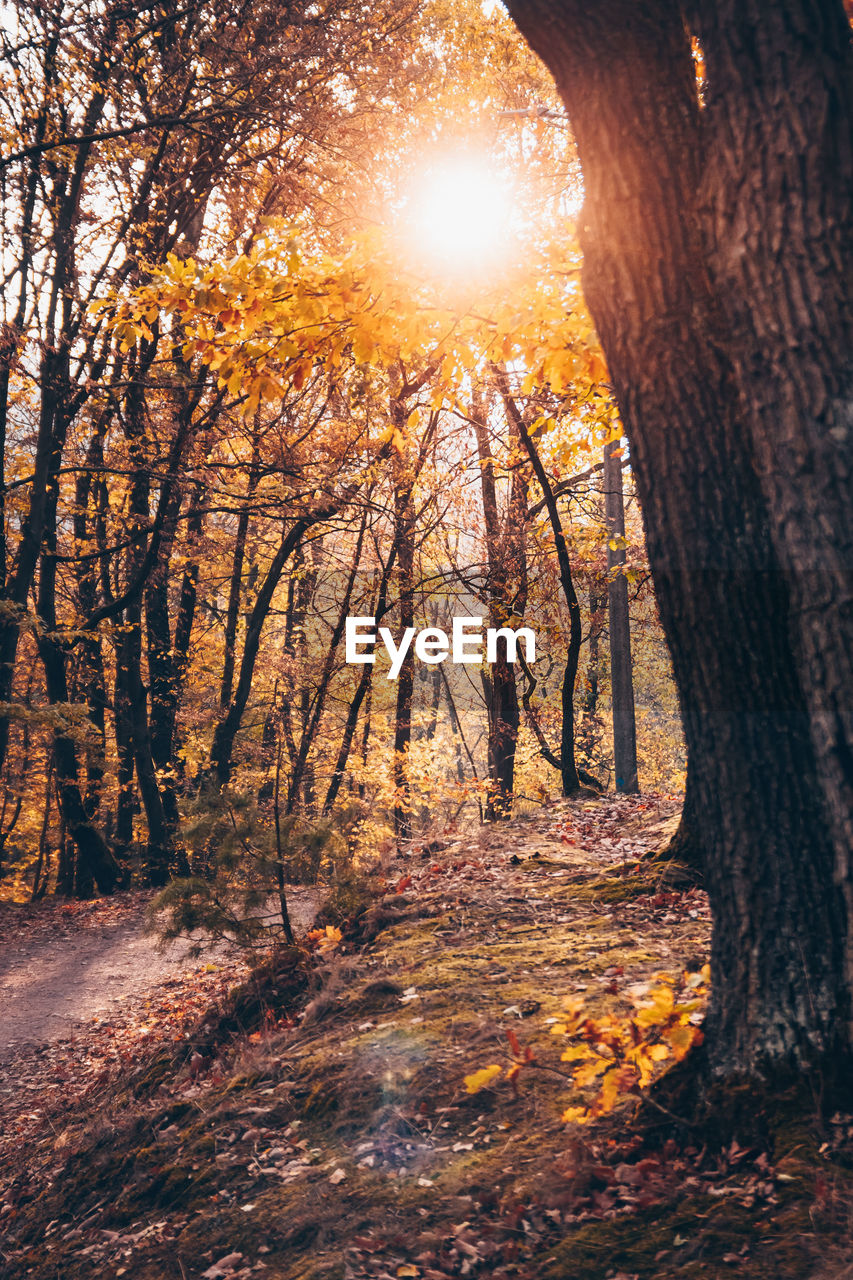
(625, 71)
(778, 196)
(95, 864)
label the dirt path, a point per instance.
(63, 966)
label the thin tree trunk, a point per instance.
(226, 730)
(621, 671)
(404, 541)
(456, 725)
(236, 584)
(568, 766)
(279, 866)
(168, 661)
(379, 610)
(90, 658)
(122, 715)
(506, 590)
(135, 706)
(43, 859)
(312, 722)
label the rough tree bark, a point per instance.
(683, 288)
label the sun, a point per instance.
(459, 215)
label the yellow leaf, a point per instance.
(363, 348)
(590, 1071)
(575, 1115)
(609, 1095)
(575, 1053)
(681, 1039)
(481, 1079)
(659, 1010)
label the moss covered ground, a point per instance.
(319, 1126)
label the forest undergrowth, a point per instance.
(314, 1123)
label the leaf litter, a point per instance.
(339, 1140)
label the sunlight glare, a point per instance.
(460, 215)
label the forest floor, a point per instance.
(84, 989)
(315, 1124)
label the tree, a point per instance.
(121, 131)
(621, 676)
(181, 439)
(506, 588)
(567, 764)
(717, 267)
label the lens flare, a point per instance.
(460, 217)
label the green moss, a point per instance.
(615, 888)
(689, 1240)
(149, 1078)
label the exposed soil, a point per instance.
(64, 965)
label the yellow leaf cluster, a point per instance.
(326, 940)
(618, 1055)
(622, 1053)
(265, 321)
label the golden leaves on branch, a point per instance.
(266, 321)
(617, 1055)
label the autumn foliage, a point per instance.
(615, 1055)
